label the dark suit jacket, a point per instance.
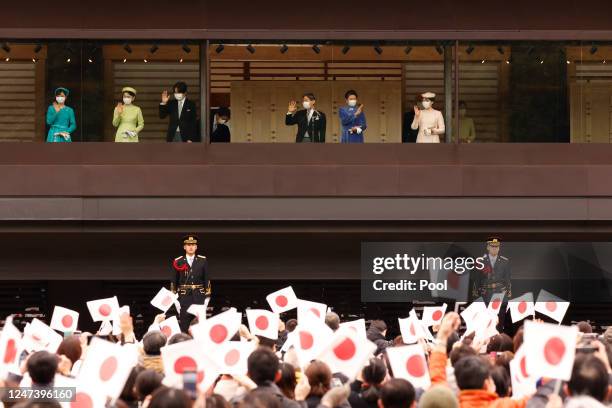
(196, 274)
(315, 128)
(188, 121)
(220, 135)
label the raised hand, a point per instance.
(359, 110)
(165, 97)
(119, 108)
(417, 112)
(292, 107)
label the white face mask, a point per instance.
(60, 99)
(179, 96)
(427, 104)
(222, 121)
(352, 102)
(127, 100)
(306, 105)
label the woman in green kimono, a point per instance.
(127, 118)
(60, 118)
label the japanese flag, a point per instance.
(170, 327)
(469, 313)
(551, 305)
(310, 336)
(550, 349)
(282, 300)
(457, 284)
(308, 307)
(485, 324)
(358, 326)
(496, 302)
(263, 323)
(521, 307)
(10, 348)
(106, 328)
(87, 393)
(432, 315)
(232, 357)
(64, 320)
(411, 329)
(38, 336)
(523, 383)
(199, 311)
(347, 352)
(164, 299)
(186, 356)
(103, 309)
(408, 362)
(107, 365)
(218, 329)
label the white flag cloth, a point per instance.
(64, 320)
(10, 348)
(484, 325)
(87, 393)
(358, 325)
(309, 307)
(523, 383)
(218, 329)
(347, 352)
(550, 349)
(199, 311)
(496, 301)
(231, 357)
(108, 365)
(310, 336)
(164, 299)
(521, 307)
(103, 309)
(411, 329)
(469, 313)
(170, 327)
(432, 315)
(551, 305)
(38, 336)
(263, 323)
(408, 362)
(282, 300)
(186, 356)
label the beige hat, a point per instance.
(438, 396)
(129, 89)
(428, 95)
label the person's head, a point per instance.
(152, 342)
(503, 359)
(460, 351)
(501, 378)
(179, 338)
(180, 90)
(308, 100)
(438, 396)
(500, 342)
(351, 98)
(373, 375)
(287, 381)
(60, 95)
(379, 326)
(190, 244)
(71, 348)
(260, 399)
(129, 94)
(473, 373)
(319, 377)
(223, 115)
(584, 327)
(41, 367)
(462, 108)
(262, 366)
(589, 377)
(217, 401)
(493, 246)
(128, 394)
(40, 404)
(427, 99)
(147, 381)
(332, 320)
(166, 397)
(291, 325)
(396, 393)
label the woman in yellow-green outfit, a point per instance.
(127, 118)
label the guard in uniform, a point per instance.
(190, 279)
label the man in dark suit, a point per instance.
(190, 279)
(311, 122)
(183, 125)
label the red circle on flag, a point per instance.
(496, 303)
(232, 357)
(184, 363)
(262, 322)
(10, 352)
(522, 307)
(523, 366)
(551, 306)
(306, 340)
(104, 310)
(437, 315)
(67, 321)
(200, 376)
(554, 350)
(315, 311)
(108, 368)
(81, 400)
(167, 331)
(167, 301)
(281, 300)
(345, 350)
(218, 333)
(415, 365)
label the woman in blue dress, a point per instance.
(352, 119)
(60, 118)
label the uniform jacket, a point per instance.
(196, 274)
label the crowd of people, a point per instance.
(466, 371)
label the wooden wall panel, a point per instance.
(259, 108)
(20, 101)
(590, 99)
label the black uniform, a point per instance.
(491, 280)
(192, 285)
